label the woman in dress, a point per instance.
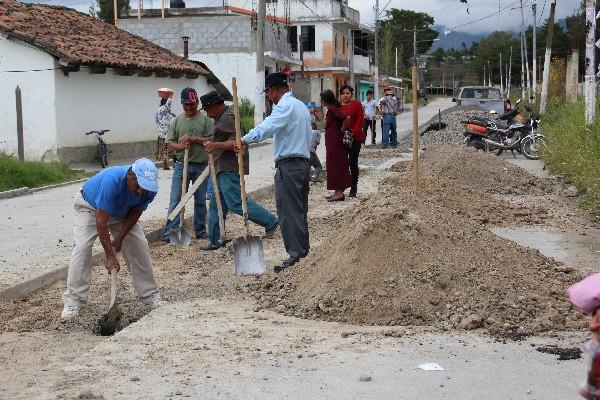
(336, 162)
(354, 109)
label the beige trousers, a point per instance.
(135, 251)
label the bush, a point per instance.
(15, 174)
(246, 113)
(574, 149)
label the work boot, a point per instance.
(210, 247)
(352, 192)
(286, 264)
(271, 232)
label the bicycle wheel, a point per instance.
(103, 155)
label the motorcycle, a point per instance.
(511, 131)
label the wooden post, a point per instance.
(19, 104)
(162, 8)
(415, 131)
(115, 11)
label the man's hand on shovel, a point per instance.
(112, 263)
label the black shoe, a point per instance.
(271, 232)
(209, 247)
(286, 264)
(333, 199)
(328, 197)
(166, 239)
(352, 193)
(202, 235)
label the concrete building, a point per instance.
(222, 37)
(76, 74)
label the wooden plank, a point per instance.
(189, 194)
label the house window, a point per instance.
(293, 37)
(308, 37)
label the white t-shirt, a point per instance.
(370, 108)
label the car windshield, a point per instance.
(481, 93)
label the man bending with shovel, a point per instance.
(222, 147)
(290, 126)
(112, 201)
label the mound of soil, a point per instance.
(424, 259)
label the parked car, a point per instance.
(486, 97)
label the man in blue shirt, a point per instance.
(111, 202)
(290, 127)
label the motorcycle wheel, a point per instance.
(530, 151)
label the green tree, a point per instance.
(489, 49)
(396, 32)
(439, 54)
(105, 9)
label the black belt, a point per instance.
(288, 159)
(388, 114)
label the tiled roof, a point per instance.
(80, 39)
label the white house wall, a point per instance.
(124, 104)
(37, 93)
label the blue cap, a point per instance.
(146, 173)
(189, 96)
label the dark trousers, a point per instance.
(370, 123)
(291, 199)
(353, 160)
(315, 162)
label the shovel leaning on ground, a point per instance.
(108, 322)
(247, 250)
(179, 236)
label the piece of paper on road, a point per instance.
(431, 367)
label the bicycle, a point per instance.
(102, 152)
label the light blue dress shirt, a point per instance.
(289, 126)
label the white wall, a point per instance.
(37, 91)
(123, 104)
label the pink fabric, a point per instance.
(585, 295)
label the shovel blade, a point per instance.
(249, 256)
(179, 237)
(109, 322)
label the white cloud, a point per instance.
(454, 13)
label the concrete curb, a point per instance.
(14, 193)
(29, 286)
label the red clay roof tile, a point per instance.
(81, 39)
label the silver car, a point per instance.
(488, 98)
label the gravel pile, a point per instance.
(451, 134)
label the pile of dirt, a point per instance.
(423, 259)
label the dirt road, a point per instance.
(232, 338)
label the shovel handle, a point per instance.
(186, 155)
(240, 154)
(113, 287)
(217, 194)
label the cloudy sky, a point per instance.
(453, 13)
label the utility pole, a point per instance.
(509, 73)
(590, 62)
(415, 44)
(501, 81)
(534, 7)
(259, 107)
(522, 69)
(546, 76)
(301, 56)
(489, 74)
(376, 83)
(483, 74)
(351, 59)
(396, 62)
(525, 50)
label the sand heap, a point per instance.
(429, 259)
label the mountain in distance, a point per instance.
(454, 39)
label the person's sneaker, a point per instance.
(158, 302)
(209, 247)
(202, 235)
(271, 232)
(69, 312)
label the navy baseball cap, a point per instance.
(275, 79)
(189, 96)
(146, 174)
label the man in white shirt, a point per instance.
(370, 106)
(389, 108)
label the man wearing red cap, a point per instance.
(189, 131)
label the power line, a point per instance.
(488, 16)
(542, 13)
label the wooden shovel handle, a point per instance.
(186, 155)
(240, 154)
(217, 194)
(113, 287)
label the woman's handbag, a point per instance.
(348, 138)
